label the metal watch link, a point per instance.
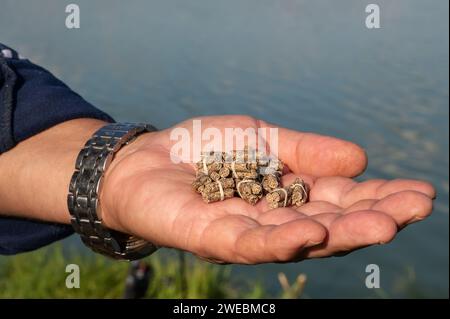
(83, 202)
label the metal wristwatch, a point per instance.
(83, 198)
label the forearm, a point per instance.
(35, 174)
(37, 152)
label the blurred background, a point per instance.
(306, 65)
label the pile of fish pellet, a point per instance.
(249, 175)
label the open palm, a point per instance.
(148, 195)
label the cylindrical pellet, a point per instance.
(200, 181)
(270, 182)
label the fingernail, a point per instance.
(415, 219)
(313, 243)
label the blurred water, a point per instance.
(307, 65)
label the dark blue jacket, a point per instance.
(32, 100)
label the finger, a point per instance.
(242, 240)
(397, 185)
(319, 155)
(405, 207)
(364, 204)
(353, 231)
(345, 192)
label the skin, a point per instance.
(144, 193)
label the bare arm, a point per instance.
(147, 195)
(36, 173)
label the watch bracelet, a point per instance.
(85, 185)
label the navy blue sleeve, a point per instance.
(32, 100)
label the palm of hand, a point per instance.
(148, 195)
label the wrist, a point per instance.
(83, 199)
(112, 209)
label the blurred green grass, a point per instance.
(41, 274)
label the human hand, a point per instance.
(148, 195)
